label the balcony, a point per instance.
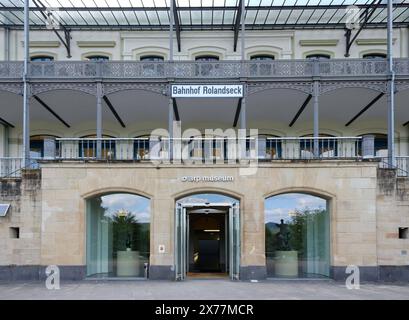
(204, 151)
(136, 70)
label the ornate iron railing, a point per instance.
(203, 70)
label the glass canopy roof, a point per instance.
(197, 14)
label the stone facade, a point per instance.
(367, 206)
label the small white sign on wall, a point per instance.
(161, 248)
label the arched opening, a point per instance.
(327, 146)
(297, 236)
(374, 55)
(207, 238)
(152, 58)
(322, 56)
(43, 146)
(207, 58)
(97, 57)
(88, 145)
(118, 235)
(262, 57)
(42, 58)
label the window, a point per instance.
(208, 58)
(88, 147)
(118, 235)
(41, 58)
(262, 57)
(43, 146)
(152, 58)
(374, 56)
(297, 236)
(14, 232)
(318, 56)
(404, 233)
(97, 58)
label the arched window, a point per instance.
(43, 145)
(117, 235)
(89, 144)
(42, 58)
(297, 236)
(97, 58)
(262, 57)
(152, 58)
(322, 56)
(374, 56)
(208, 58)
(327, 148)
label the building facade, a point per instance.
(286, 175)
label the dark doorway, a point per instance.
(207, 249)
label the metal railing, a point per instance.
(401, 165)
(208, 149)
(203, 69)
(204, 150)
(10, 167)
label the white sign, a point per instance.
(207, 91)
(207, 179)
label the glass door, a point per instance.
(234, 241)
(180, 242)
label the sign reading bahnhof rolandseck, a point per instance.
(207, 91)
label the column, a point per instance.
(170, 128)
(391, 91)
(26, 88)
(243, 30)
(99, 119)
(243, 128)
(316, 119)
(316, 106)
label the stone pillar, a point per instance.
(368, 146)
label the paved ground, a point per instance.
(201, 290)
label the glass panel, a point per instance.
(180, 248)
(118, 235)
(297, 236)
(234, 242)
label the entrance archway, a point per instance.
(207, 236)
(297, 236)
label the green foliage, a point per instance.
(125, 227)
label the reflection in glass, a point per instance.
(297, 236)
(118, 235)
